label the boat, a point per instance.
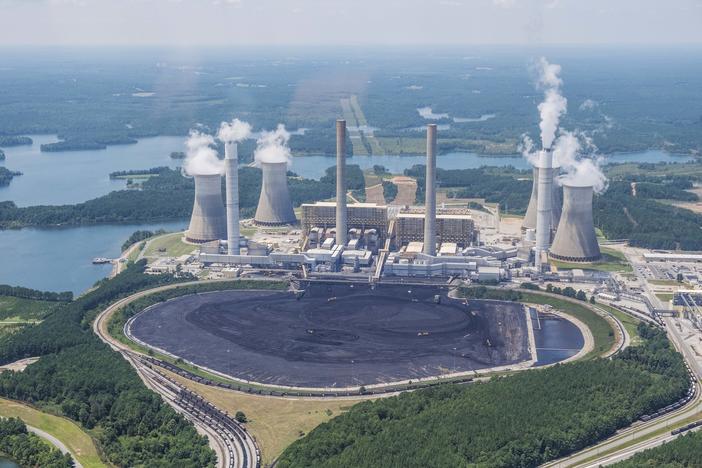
(101, 260)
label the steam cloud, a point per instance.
(580, 170)
(272, 147)
(234, 131)
(554, 104)
(201, 157)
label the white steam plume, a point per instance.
(528, 150)
(201, 157)
(272, 147)
(554, 105)
(580, 170)
(234, 131)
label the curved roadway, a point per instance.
(234, 446)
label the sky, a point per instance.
(350, 22)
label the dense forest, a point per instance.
(683, 452)
(521, 420)
(10, 140)
(2, 155)
(138, 236)
(7, 175)
(96, 387)
(28, 449)
(27, 293)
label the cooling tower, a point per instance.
(543, 205)
(341, 212)
(575, 239)
(274, 205)
(430, 193)
(530, 216)
(208, 221)
(231, 166)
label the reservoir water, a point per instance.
(60, 259)
(7, 463)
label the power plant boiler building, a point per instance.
(275, 207)
(575, 239)
(208, 221)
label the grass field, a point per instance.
(630, 323)
(602, 332)
(274, 422)
(172, 243)
(78, 442)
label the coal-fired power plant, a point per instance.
(231, 167)
(556, 203)
(430, 197)
(544, 206)
(341, 209)
(575, 239)
(274, 204)
(208, 221)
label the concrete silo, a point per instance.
(575, 239)
(274, 205)
(208, 221)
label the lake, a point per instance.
(7, 463)
(76, 176)
(60, 259)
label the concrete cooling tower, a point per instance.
(575, 239)
(530, 216)
(274, 205)
(208, 221)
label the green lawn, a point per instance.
(172, 243)
(630, 323)
(78, 442)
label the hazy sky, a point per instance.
(294, 22)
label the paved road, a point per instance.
(235, 448)
(55, 442)
(619, 447)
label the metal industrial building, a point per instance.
(275, 207)
(362, 216)
(456, 226)
(208, 221)
(575, 239)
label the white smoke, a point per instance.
(554, 104)
(272, 147)
(234, 131)
(576, 154)
(201, 157)
(528, 150)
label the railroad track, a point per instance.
(234, 446)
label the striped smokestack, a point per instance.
(430, 195)
(341, 212)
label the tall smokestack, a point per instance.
(556, 203)
(575, 239)
(231, 167)
(208, 221)
(274, 204)
(341, 212)
(544, 205)
(430, 195)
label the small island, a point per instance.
(7, 175)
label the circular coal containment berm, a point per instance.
(336, 335)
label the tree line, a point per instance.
(522, 420)
(80, 377)
(27, 293)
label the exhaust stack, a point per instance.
(341, 211)
(544, 206)
(231, 166)
(430, 193)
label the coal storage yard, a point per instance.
(336, 335)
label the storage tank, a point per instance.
(575, 239)
(208, 221)
(274, 204)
